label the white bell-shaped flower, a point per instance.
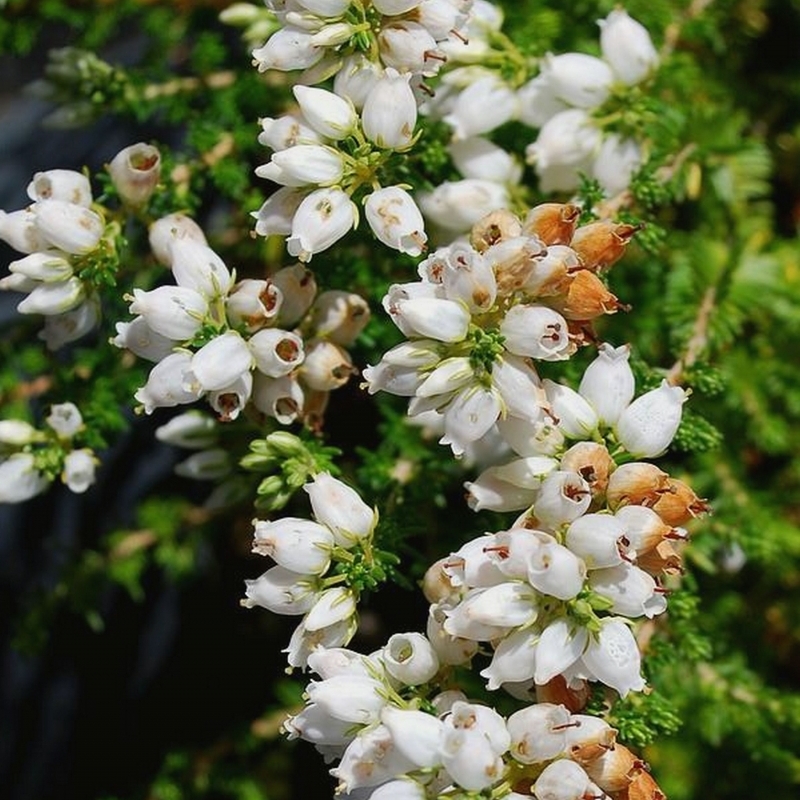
(71, 325)
(627, 46)
(349, 697)
(432, 318)
(45, 267)
(386, 377)
(18, 230)
(304, 642)
(574, 415)
(449, 649)
(469, 416)
(219, 363)
(567, 139)
(461, 623)
(578, 79)
(298, 544)
(252, 304)
(61, 184)
(608, 382)
(135, 172)
(79, 470)
(476, 157)
(321, 219)
(538, 732)
(400, 789)
(395, 220)
(408, 47)
(448, 376)
(281, 591)
(473, 564)
(167, 385)
(288, 130)
(17, 433)
(165, 230)
(562, 780)
(275, 216)
(19, 479)
(482, 106)
(536, 332)
(65, 419)
(207, 465)
(415, 734)
(282, 398)
(410, 658)
(491, 490)
(340, 508)
(631, 590)
(68, 226)
(307, 164)
(457, 205)
(276, 352)
(196, 266)
(513, 660)
(339, 316)
(332, 605)
(330, 115)
(53, 298)
(563, 497)
(521, 391)
(613, 657)
(538, 101)
(389, 115)
(175, 312)
(599, 539)
(138, 337)
(287, 49)
(372, 758)
(356, 77)
(555, 570)
(648, 425)
(507, 605)
(615, 163)
(315, 725)
(192, 430)
(468, 278)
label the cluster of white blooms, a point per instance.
(272, 342)
(305, 553)
(485, 310)
(60, 233)
(398, 736)
(325, 37)
(326, 153)
(54, 232)
(30, 459)
(560, 101)
(555, 592)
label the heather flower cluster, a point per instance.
(562, 99)
(274, 343)
(485, 310)
(319, 566)
(31, 459)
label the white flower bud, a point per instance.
(67, 226)
(385, 377)
(648, 425)
(341, 509)
(608, 382)
(304, 164)
(578, 79)
(79, 469)
(281, 591)
(17, 433)
(333, 605)
(192, 429)
(356, 77)
(276, 352)
(433, 318)
(166, 384)
(164, 231)
(196, 266)
(567, 139)
(53, 298)
(615, 163)
(18, 229)
(389, 115)
(138, 337)
(65, 419)
(482, 106)
(322, 218)
(287, 49)
(395, 220)
(537, 332)
(538, 732)
(175, 312)
(410, 658)
(357, 699)
(613, 657)
(19, 479)
(219, 363)
(627, 46)
(300, 545)
(573, 414)
(61, 184)
(207, 465)
(135, 172)
(458, 205)
(481, 159)
(330, 115)
(449, 375)
(415, 734)
(45, 267)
